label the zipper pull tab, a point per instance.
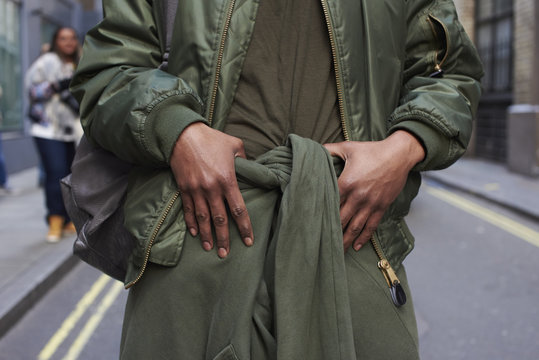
(438, 72)
(397, 292)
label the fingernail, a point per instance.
(193, 231)
(248, 241)
(222, 253)
(206, 245)
(357, 247)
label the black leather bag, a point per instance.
(94, 193)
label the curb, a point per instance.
(34, 285)
(482, 195)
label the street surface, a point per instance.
(474, 275)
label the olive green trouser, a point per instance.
(292, 295)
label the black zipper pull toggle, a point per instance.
(398, 295)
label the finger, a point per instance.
(189, 214)
(351, 202)
(347, 211)
(368, 231)
(202, 215)
(220, 222)
(354, 229)
(239, 213)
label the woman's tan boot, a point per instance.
(69, 229)
(56, 224)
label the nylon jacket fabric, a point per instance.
(384, 52)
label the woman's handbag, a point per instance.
(95, 190)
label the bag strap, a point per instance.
(168, 13)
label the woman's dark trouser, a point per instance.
(56, 157)
(3, 172)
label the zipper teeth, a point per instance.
(337, 70)
(447, 39)
(152, 239)
(220, 60)
(377, 248)
(436, 65)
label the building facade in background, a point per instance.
(25, 25)
(506, 33)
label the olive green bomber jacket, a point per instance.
(384, 53)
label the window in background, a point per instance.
(10, 67)
(494, 37)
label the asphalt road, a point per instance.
(474, 275)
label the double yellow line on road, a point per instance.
(498, 220)
(501, 221)
(71, 321)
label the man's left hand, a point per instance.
(374, 174)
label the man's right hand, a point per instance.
(203, 165)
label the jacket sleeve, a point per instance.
(37, 84)
(128, 105)
(438, 110)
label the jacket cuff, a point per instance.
(166, 121)
(436, 146)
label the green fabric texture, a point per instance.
(384, 51)
(287, 296)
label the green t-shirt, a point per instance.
(287, 85)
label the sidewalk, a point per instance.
(29, 266)
(492, 182)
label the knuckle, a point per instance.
(185, 188)
(356, 230)
(345, 184)
(202, 217)
(188, 209)
(227, 181)
(238, 211)
(238, 143)
(219, 220)
(209, 184)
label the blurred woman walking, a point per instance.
(55, 122)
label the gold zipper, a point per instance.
(397, 292)
(438, 65)
(220, 60)
(152, 239)
(210, 118)
(337, 70)
(395, 288)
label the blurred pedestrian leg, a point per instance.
(4, 189)
(56, 157)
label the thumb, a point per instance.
(336, 149)
(240, 150)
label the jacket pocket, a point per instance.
(396, 241)
(443, 44)
(448, 36)
(153, 214)
(227, 353)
